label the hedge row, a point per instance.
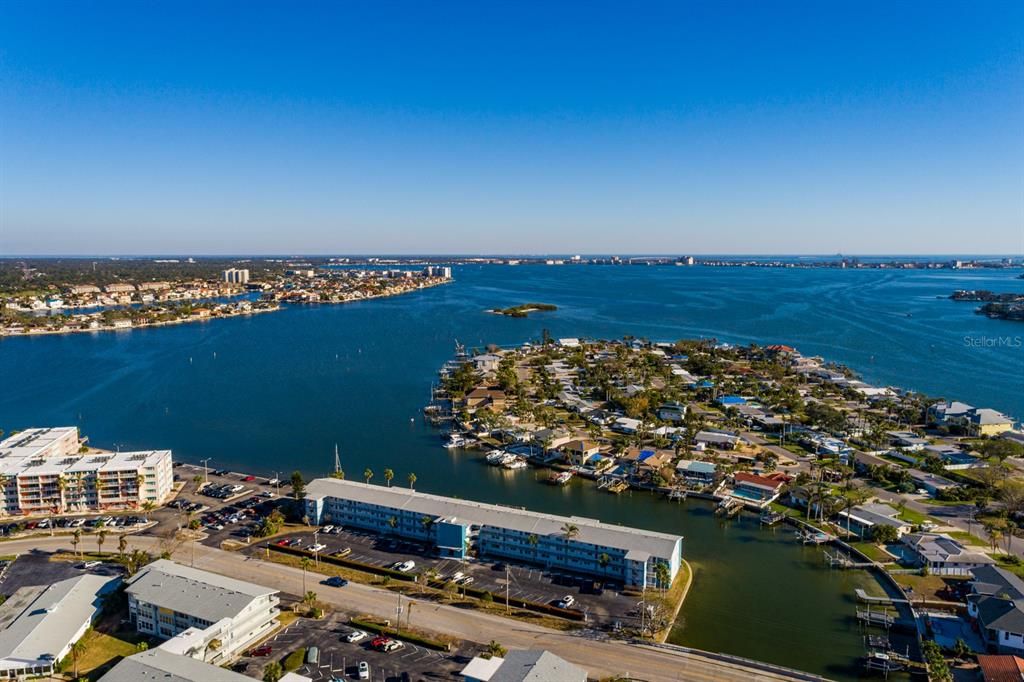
(547, 609)
(346, 563)
(401, 634)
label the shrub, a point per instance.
(294, 660)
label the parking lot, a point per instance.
(340, 659)
(603, 605)
(35, 568)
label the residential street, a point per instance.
(600, 657)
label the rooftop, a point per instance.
(189, 590)
(43, 620)
(591, 531)
(157, 665)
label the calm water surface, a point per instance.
(276, 391)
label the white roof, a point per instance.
(481, 668)
(44, 620)
(198, 593)
(34, 442)
(157, 665)
(594, 532)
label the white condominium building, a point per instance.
(203, 615)
(43, 472)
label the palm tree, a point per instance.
(393, 522)
(662, 575)
(495, 649)
(122, 545)
(412, 481)
(309, 599)
(533, 539)
(77, 649)
(76, 537)
(388, 475)
(305, 563)
(851, 499)
(273, 672)
(570, 530)
(101, 536)
(368, 474)
(603, 559)
(339, 474)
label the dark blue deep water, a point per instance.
(275, 392)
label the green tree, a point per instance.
(101, 537)
(388, 475)
(298, 485)
(570, 530)
(78, 649)
(305, 564)
(368, 474)
(412, 481)
(76, 537)
(273, 672)
(122, 545)
(494, 648)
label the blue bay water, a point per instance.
(275, 392)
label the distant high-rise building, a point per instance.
(236, 275)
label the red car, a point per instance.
(379, 643)
(249, 478)
(282, 543)
(264, 650)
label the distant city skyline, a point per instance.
(474, 128)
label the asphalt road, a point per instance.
(600, 657)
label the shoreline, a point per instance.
(192, 319)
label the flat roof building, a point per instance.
(192, 608)
(40, 623)
(589, 547)
(159, 665)
(43, 472)
(527, 665)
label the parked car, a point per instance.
(566, 602)
(468, 580)
(318, 547)
(342, 552)
(406, 566)
(335, 581)
(355, 636)
(264, 650)
(90, 564)
(364, 670)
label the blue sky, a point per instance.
(344, 127)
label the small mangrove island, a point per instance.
(524, 309)
(999, 306)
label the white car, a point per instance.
(90, 564)
(468, 580)
(406, 566)
(566, 602)
(327, 529)
(318, 547)
(922, 491)
(458, 575)
(364, 670)
(355, 636)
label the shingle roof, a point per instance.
(537, 666)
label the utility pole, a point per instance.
(508, 582)
(206, 469)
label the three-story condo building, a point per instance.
(455, 527)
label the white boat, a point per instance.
(496, 457)
(514, 462)
(456, 441)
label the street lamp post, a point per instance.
(206, 469)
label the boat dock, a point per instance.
(840, 560)
(877, 618)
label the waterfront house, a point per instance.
(581, 452)
(947, 413)
(696, 473)
(551, 438)
(754, 488)
(986, 422)
(486, 363)
(996, 603)
(1000, 668)
(484, 397)
(569, 343)
(942, 555)
(862, 519)
(674, 412)
(456, 527)
(715, 438)
(731, 401)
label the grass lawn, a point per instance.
(103, 650)
(1017, 568)
(873, 551)
(922, 585)
(967, 539)
(916, 517)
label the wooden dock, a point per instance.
(877, 618)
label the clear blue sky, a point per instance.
(527, 127)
